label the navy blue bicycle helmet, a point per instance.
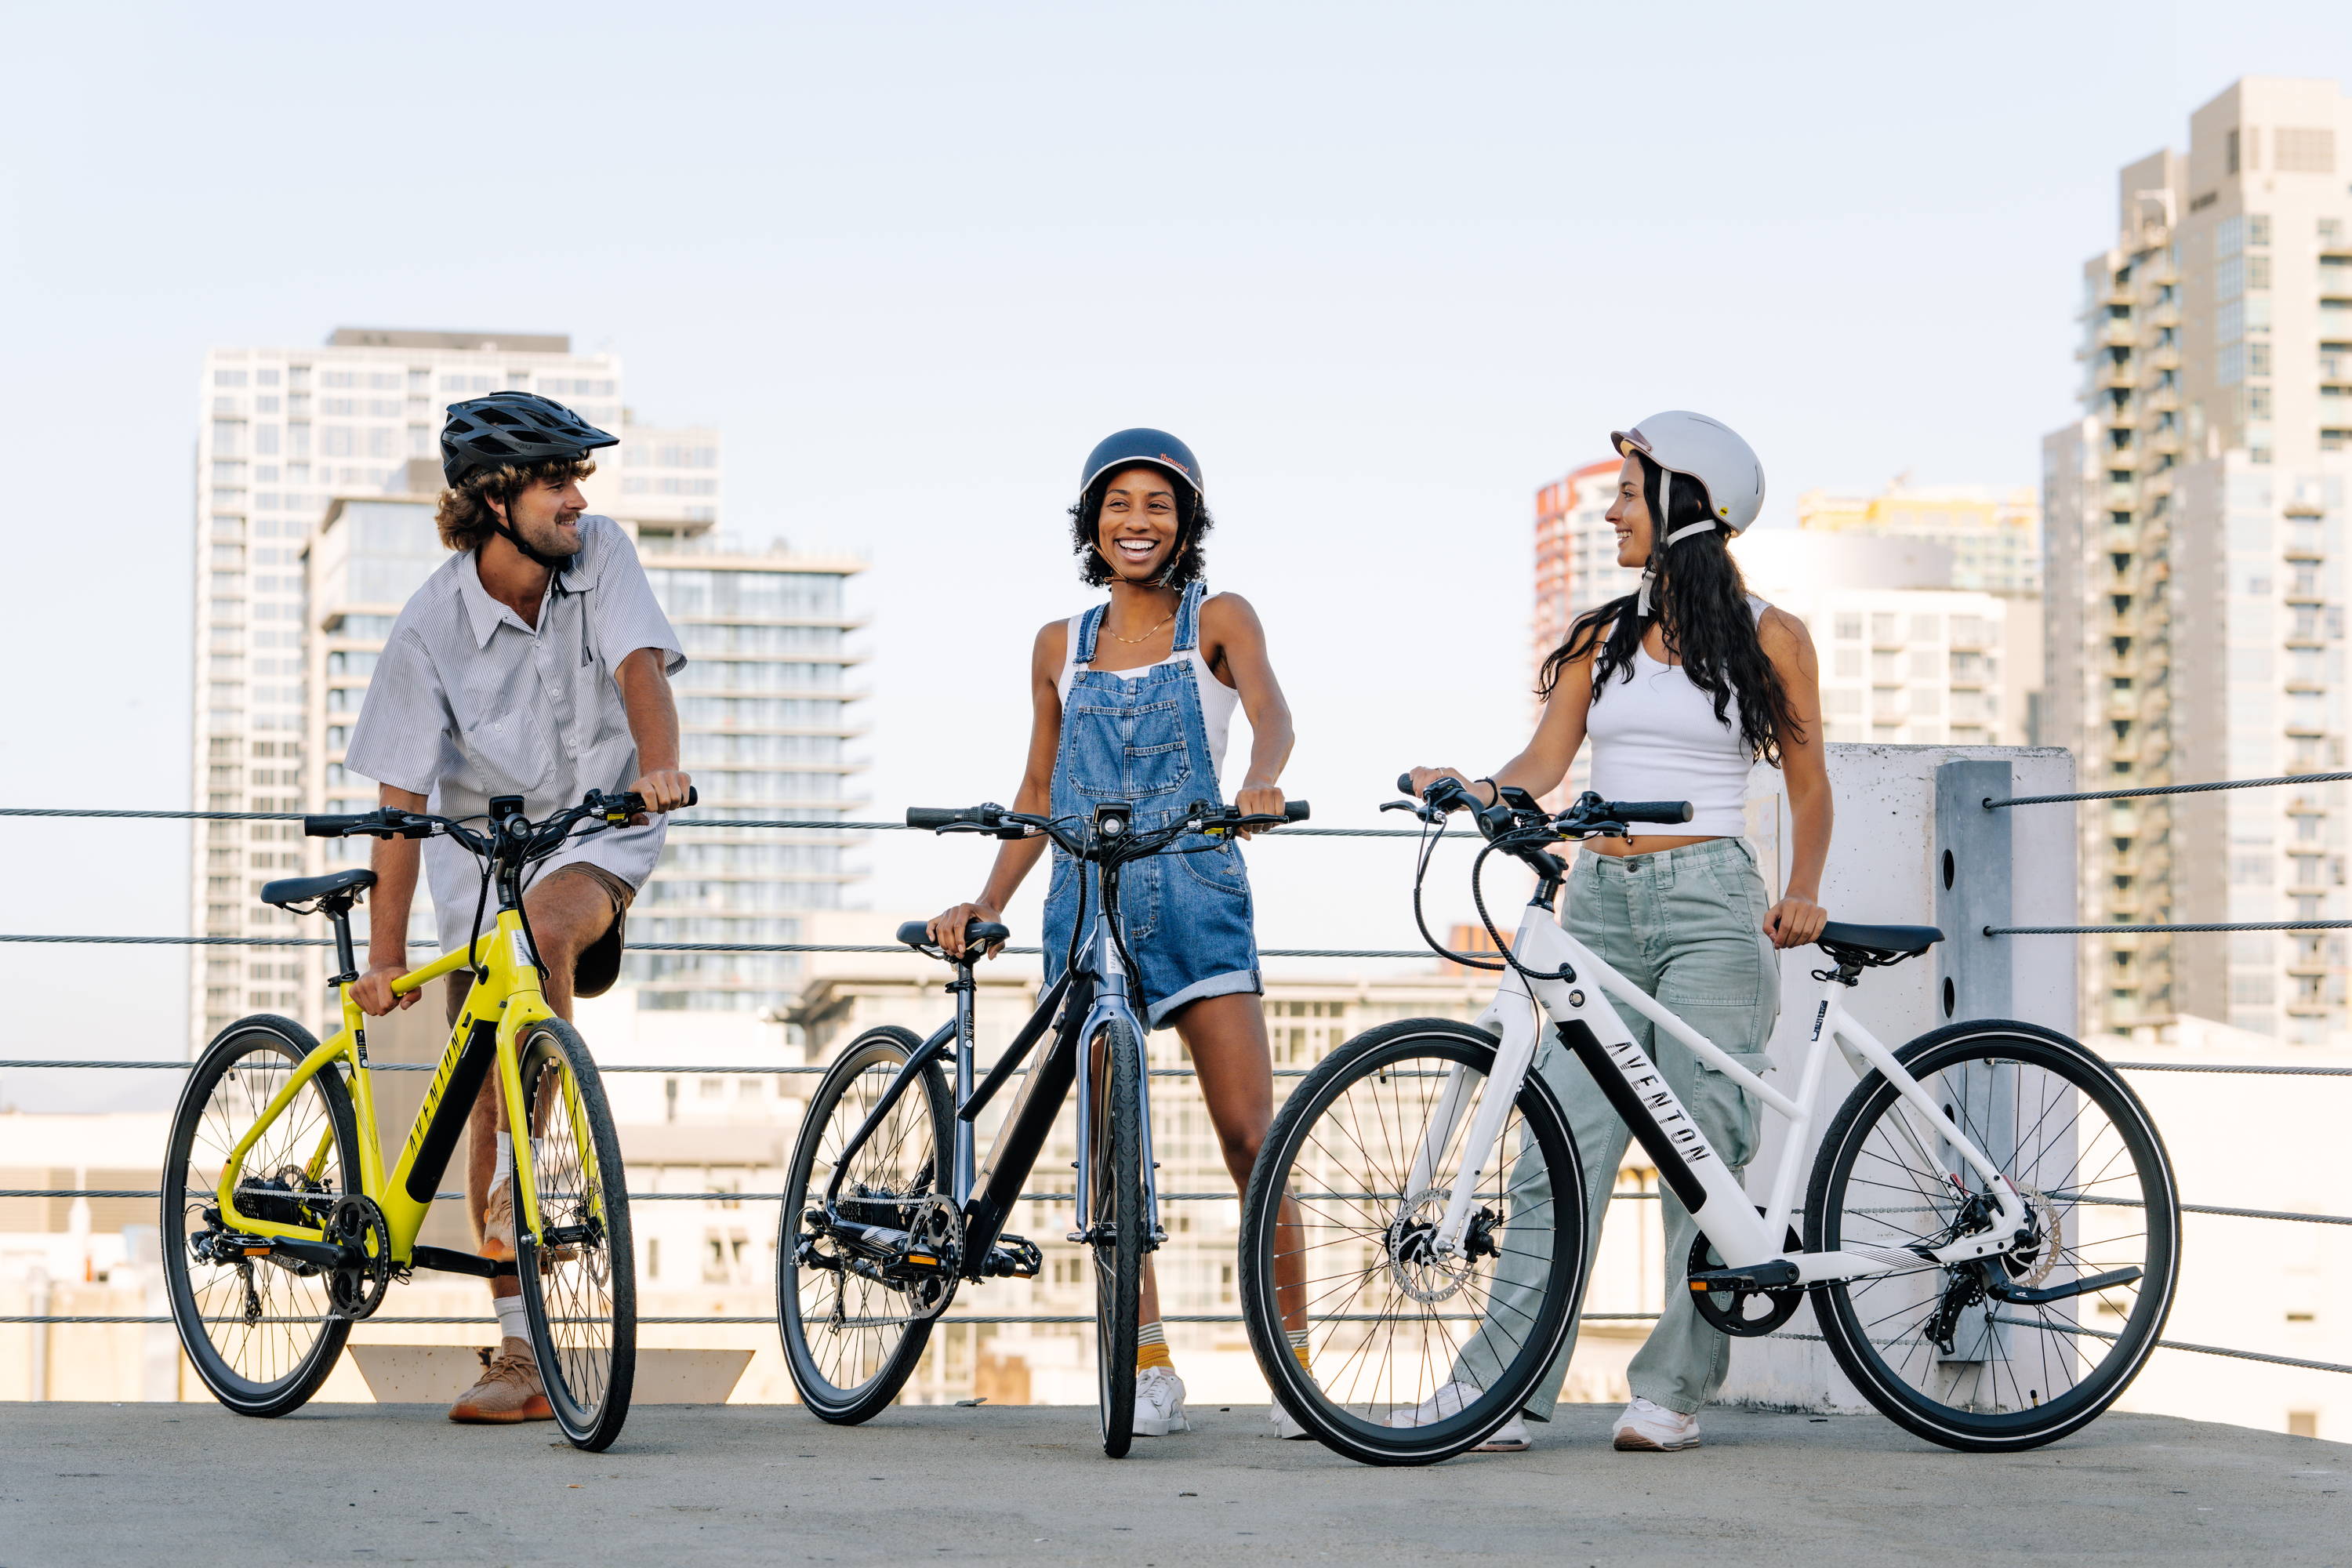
(1142, 445)
(507, 429)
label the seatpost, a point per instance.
(965, 990)
(340, 915)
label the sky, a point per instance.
(1387, 269)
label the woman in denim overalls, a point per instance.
(1133, 700)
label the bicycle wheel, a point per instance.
(579, 1273)
(263, 1333)
(852, 1341)
(1115, 1191)
(1930, 1347)
(1367, 1147)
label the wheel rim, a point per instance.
(1119, 1257)
(572, 1265)
(1391, 1322)
(2099, 1204)
(850, 1327)
(262, 1322)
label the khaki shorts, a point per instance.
(597, 967)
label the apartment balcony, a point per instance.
(2122, 416)
(2118, 332)
(2112, 375)
(2166, 315)
(2303, 588)
(2166, 441)
(2163, 399)
(2303, 543)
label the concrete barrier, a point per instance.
(1885, 865)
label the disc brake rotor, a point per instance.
(2031, 1264)
(1414, 1260)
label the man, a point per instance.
(534, 662)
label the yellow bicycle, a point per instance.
(281, 1226)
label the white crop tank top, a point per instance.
(1655, 737)
(1218, 701)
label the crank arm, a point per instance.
(2026, 1296)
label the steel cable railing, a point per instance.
(829, 826)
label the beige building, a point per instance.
(1994, 535)
(1906, 658)
(2196, 516)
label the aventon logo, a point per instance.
(1651, 1090)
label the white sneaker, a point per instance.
(1286, 1425)
(1451, 1400)
(1159, 1403)
(1652, 1428)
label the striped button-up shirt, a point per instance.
(467, 702)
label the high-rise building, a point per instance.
(1994, 535)
(285, 428)
(762, 708)
(2196, 520)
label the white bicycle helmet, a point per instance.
(1707, 451)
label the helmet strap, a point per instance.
(1649, 568)
(553, 563)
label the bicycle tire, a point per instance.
(882, 1361)
(578, 1278)
(1855, 1333)
(1115, 1191)
(300, 1369)
(1555, 1234)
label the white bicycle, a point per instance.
(1991, 1236)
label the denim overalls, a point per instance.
(1140, 738)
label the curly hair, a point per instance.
(1704, 606)
(465, 518)
(1185, 563)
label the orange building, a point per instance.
(1576, 553)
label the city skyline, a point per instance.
(903, 328)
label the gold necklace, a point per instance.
(1132, 641)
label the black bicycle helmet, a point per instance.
(507, 430)
(1140, 445)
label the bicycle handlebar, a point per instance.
(391, 822)
(1647, 810)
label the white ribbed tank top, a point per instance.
(1655, 737)
(1218, 701)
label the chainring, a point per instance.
(937, 1229)
(356, 1224)
(1730, 1312)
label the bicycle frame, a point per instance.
(1587, 1023)
(497, 1011)
(1094, 992)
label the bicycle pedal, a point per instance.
(1778, 1275)
(1013, 1257)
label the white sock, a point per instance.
(510, 1318)
(502, 1161)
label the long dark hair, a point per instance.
(1702, 602)
(1185, 561)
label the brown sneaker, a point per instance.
(509, 1391)
(498, 1224)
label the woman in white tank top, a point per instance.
(1680, 687)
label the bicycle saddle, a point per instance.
(288, 890)
(1882, 944)
(917, 934)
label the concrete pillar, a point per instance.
(1885, 865)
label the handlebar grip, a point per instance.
(1293, 811)
(1649, 810)
(693, 795)
(1404, 786)
(333, 826)
(932, 816)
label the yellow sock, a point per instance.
(1297, 1338)
(1151, 1348)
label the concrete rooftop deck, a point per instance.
(192, 1486)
